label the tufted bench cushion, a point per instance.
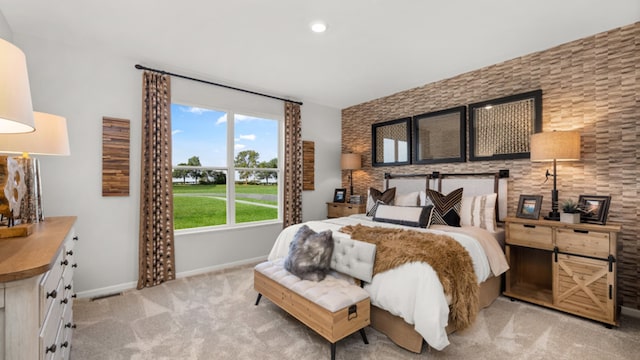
(333, 293)
(335, 307)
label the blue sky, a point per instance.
(203, 133)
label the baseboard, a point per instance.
(630, 312)
(209, 269)
(100, 292)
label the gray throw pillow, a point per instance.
(310, 254)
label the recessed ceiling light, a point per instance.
(318, 27)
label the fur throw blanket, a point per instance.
(447, 257)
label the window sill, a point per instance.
(222, 228)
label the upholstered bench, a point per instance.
(335, 307)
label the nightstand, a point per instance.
(567, 267)
(335, 209)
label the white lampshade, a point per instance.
(350, 162)
(555, 145)
(16, 110)
(50, 137)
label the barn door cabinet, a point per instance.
(568, 267)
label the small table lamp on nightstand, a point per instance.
(555, 146)
(350, 162)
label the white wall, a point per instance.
(85, 84)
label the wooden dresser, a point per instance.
(568, 267)
(335, 209)
(36, 291)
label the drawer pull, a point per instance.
(70, 252)
(51, 348)
(64, 262)
(74, 296)
(529, 226)
(75, 238)
(74, 265)
(52, 294)
(64, 344)
(581, 231)
(64, 301)
(70, 325)
(68, 287)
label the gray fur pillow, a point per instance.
(310, 254)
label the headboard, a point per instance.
(472, 183)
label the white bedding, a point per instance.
(412, 291)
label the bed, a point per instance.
(409, 304)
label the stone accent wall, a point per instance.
(591, 84)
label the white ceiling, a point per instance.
(372, 48)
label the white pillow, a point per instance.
(410, 199)
(416, 216)
(479, 211)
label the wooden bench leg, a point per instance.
(333, 351)
(258, 299)
(364, 336)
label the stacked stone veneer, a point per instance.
(591, 84)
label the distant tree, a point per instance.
(246, 159)
(266, 175)
(194, 161)
(181, 173)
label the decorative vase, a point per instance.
(570, 218)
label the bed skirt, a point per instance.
(404, 335)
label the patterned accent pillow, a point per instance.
(374, 208)
(446, 207)
(479, 211)
(310, 253)
(416, 216)
(386, 197)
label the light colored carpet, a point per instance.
(213, 316)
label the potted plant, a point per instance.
(570, 212)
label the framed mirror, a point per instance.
(391, 142)
(439, 136)
(501, 128)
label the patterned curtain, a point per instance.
(292, 165)
(156, 251)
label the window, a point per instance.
(212, 149)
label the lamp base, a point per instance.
(554, 216)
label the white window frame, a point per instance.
(230, 170)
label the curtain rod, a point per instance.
(141, 67)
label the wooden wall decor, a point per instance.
(115, 157)
(308, 167)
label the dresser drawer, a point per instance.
(535, 236)
(579, 242)
(51, 286)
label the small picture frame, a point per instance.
(529, 206)
(340, 195)
(595, 208)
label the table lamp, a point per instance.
(16, 110)
(50, 138)
(350, 162)
(555, 146)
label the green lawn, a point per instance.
(191, 211)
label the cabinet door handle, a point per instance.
(581, 231)
(74, 265)
(64, 344)
(68, 287)
(64, 301)
(70, 252)
(64, 262)
(529, 226)
(51, 348)
(52, 294)
(75, 238)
